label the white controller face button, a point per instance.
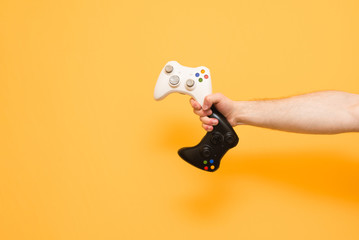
(190, 83)
(168, 69)
(174, 81)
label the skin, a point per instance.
(324, 112)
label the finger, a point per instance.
(209, 121)
(199, 112)
(208, 128)
(202, 113)
(211, 99)
(195, 104)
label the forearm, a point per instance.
(326, 112)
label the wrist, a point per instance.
(242, 112)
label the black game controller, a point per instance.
(207, 154)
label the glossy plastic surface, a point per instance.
(207, 154)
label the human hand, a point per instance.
(223, 104)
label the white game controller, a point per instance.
(174, 77)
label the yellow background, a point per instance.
(86, 152)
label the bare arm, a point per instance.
(326, 112)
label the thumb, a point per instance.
(211, 99)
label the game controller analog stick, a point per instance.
(190, 83)
(229, 138)
(168, 69)
(174, 80)
(206, 151)
(207, 154)
(216, 138)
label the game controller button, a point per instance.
(203, 71)
(229, 138)
(200, 79)
(174, 80)
(204, 162)
(197, 74)
(168, 69)
(205, 168)
(212, 167)
(216, 138)
(206, 76)
(190, 83)
(211, 161)
(206, 151)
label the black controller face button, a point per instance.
(206, 151)
(216, 138)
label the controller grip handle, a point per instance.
(207, 154)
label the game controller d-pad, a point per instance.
(208, 153)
